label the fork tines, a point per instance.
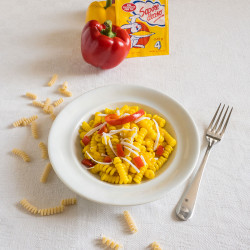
(219, 131)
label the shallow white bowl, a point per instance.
(65, 150)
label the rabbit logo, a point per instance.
(138, 32)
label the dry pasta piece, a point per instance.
(21, 154)
(65, 85)
(69, 201)
(28, 206)
(53, 80)
(46, 105)
(53, 116)
(50, 109)
(51, 211)
(44, 149)
(65, 92)
(58, 102)
(46, 172)
(155, 246)
(131, 223)
(111, 243)
(31, 95)
(38, 104)
(27, 121)
(19, 122)
(34, 129)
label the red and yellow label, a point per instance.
(146, 21)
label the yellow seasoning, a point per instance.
(146, 21)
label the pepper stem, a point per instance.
(108, 4)
(108, 31)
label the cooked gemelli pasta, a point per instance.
(34, 129)
(46, 172)
(53, 80)
(28, 206)
(27, 121)
(31, 95)
(131, 223)
(123, 147)
(19, 122)
(51, 211)
(38, 104)
(111, 243)
(155, 246)
(58, 102)
(21, 153)
(44, 150)
(67, 202)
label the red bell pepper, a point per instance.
(86, 140)
(160, 150)
(104, 45)
(138, 162)
(113, 119)
(87, 163)
(103, 129)
(119, 150)
(107, 159)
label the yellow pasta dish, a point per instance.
(125, 145)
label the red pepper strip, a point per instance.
(138, 162)
(120, 151)
(103, 129)
(104, 45)
(107, 159)
(86, 140)
(113, 119)
(97, 124)
(160, 150)
(87, 163)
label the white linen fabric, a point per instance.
(209, 63)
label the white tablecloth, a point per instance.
(209, 62)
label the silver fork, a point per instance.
(185, 207)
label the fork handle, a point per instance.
(185, 206)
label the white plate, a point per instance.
(65, 150)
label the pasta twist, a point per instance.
(53, 116)
(46, 105)
(86, 127)
(38, 104)
(101, 148)
(65, 92)
(98, 137)
(110, 178)
(115, 140)
(170, 140)
(150, 174)
(86, 148)
(44, 150)
(21, 153)
(148, 125)
(111, 243)
(156, 246)
(97, 168)
(93, 143)
(149, 144)
(97, 119)
(159, 163)
(82, 134)
(52, 80)
(138, 177)
(161, 122)
(121, 171)
(27, 121)
(109, 151)
(69, 201)
(19, 122)
(124, 109)
(109, 169)
(31, 95)
(51, 211)
(131, 223)
(46, 172)
(28, 206)
(65, 85)
(34, 129)
(125, 133)
(109, 111)
(167, 151)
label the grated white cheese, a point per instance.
(158, 135)
(136, 169)
(102, 114)
(156, 158)
(92, 131)
(141, 118)
(111, 146)
(131, 150)
(103, 163)
(118, 112)
(130, 145)
(143, 159)
(125, 114)
(112, 132)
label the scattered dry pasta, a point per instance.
(44, 150)
(156, 246)
(51, 211)
(53, 116)
(65, 92)
(34, 129)
(38, 104)
(27, 121)
(111, 243)
(46, 172)
(19, 122)
(131, 223)
(31, 95)
(46, 105)
(28, 206)
(53, 80)
(69, 201)
(58, 102)
(21, 153)
(124, 151)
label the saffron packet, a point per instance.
(146, 21)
